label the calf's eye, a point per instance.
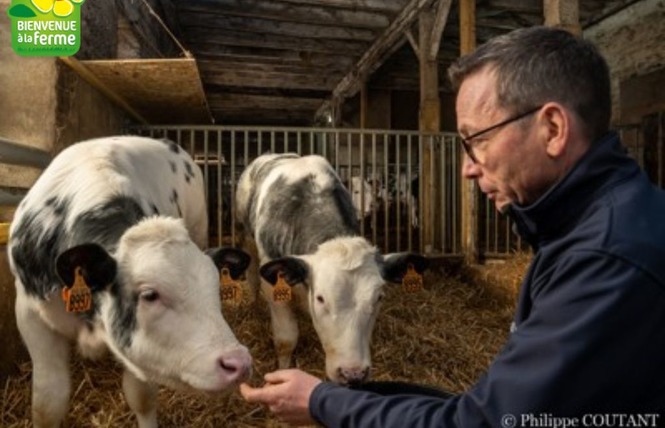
(149, 295)
(320, 299)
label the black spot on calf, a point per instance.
(189, 171)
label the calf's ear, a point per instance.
(394, 266)
(232, 258)
(294, 269)
(97, 266)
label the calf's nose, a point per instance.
(236, 365)
(353, 375)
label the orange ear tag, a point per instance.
(78, 297)
(412, 280)
(231, 290)
(281, 291)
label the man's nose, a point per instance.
(470, 169)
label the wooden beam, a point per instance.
(364, 99)
(412, 42)
(288, 12)
(222, 36)
(563, 14)
(518, 6)
(269, 26)
(270, 80)
(467, 26)
(239, 102)
(209, 58)
(429, 122)
(264, 117)
(440, 20)
(469, 191)
(391, 39)
(392, 6)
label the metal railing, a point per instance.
(389, 162)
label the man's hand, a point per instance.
(286, 393)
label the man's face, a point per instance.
(509, 157)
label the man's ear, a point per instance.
(295, 270)
(234, 259)
(98, 268)
(555, 128)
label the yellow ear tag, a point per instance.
(78, 297)
(281, 291)
(231, 290)
(412, 280)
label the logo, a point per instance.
(46, 27)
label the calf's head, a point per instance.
(158, 299)
(345, 284)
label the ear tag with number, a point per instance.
(231, 290)
(78, 297)
(412, 280)
(281, 291)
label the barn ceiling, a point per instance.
(276, 62)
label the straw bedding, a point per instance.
(445, 336)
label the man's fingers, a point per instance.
(252, 395)
(278, 376)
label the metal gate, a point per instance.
(382, 169)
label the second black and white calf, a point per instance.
(305, 228)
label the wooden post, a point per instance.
(363, 104)
(467, 19)
(430, 114)
(563, 14)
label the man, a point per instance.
(533, 108)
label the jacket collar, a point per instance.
(602, 166)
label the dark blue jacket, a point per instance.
(589, 331)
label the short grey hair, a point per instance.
(539, 64)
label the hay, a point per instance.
(445, 335)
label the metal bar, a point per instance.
(398, 172)
(220, 178)
(408, 195)
(443, 196)
(20, 154)
(386, 205)
(11, 197)
(233, 187)
(374, 192)
(362, 183)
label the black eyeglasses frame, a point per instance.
(466, 141)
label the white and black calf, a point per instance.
(305, 227)
(128, 213)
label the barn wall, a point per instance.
(632, 43)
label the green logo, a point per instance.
(46, 27)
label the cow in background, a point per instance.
(300, 218)
(123, 221)
(362, 196)
(404, 191)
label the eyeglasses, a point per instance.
(467, 142)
